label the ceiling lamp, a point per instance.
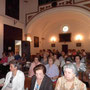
(65, 28)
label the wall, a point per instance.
(11, 21)
(8, 21)
(50, 23)
(29, 7)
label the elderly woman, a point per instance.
(40, 81)
(69, 81)
(33, 64)
(52, 70)
(15, 78)
(80, 66)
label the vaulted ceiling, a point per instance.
(53, 19)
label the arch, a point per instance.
(56, 10)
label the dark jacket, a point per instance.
(45, 85)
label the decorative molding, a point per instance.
(85, 4)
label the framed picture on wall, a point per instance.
(53, 45)
(36, 41)
(78, 44)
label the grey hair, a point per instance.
(15, 63)
(71, 66)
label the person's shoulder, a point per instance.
(33, 78)
(82, 63)
(47, 79)
(79, 82)
(9, 73)
(46, 65)
(54, 66)
(61, 78)
(33, 63)
(20, 72)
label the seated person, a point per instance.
(52, 70)
(10, 57)
(23, 58)
(17, 56)
(56, 60)
(40, 81)
(80, 66)
(33, 64)
(4, 58)
(67, 61)
(15, 78)
(4, 67)
(62, 59)
(44, 60)
(69, 81)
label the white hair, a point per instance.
(71, 66)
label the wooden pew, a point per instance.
(27, 82)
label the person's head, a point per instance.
(77, 59)
(14, 65)
(68, 60)
(51, 54)
(70, 71)
(63, 53)
(3, 54)
(36, 60)
(55, 56)
(40, 71)
(44, 56)
(50, 61)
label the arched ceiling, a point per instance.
(54, 19)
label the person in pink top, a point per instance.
(4, 58)
(4, 68)
(33, 64)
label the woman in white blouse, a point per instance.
(15, 78)
(80, 66)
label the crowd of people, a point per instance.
(6, 58)
(48, 67)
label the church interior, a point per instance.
(39, 28)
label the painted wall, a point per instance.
(5, 20)
(29, 7)
(49, 24)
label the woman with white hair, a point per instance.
(15, 78)
(69, 81)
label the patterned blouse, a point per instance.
(77, 84)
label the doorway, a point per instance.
(18, 46)
(65, 48)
